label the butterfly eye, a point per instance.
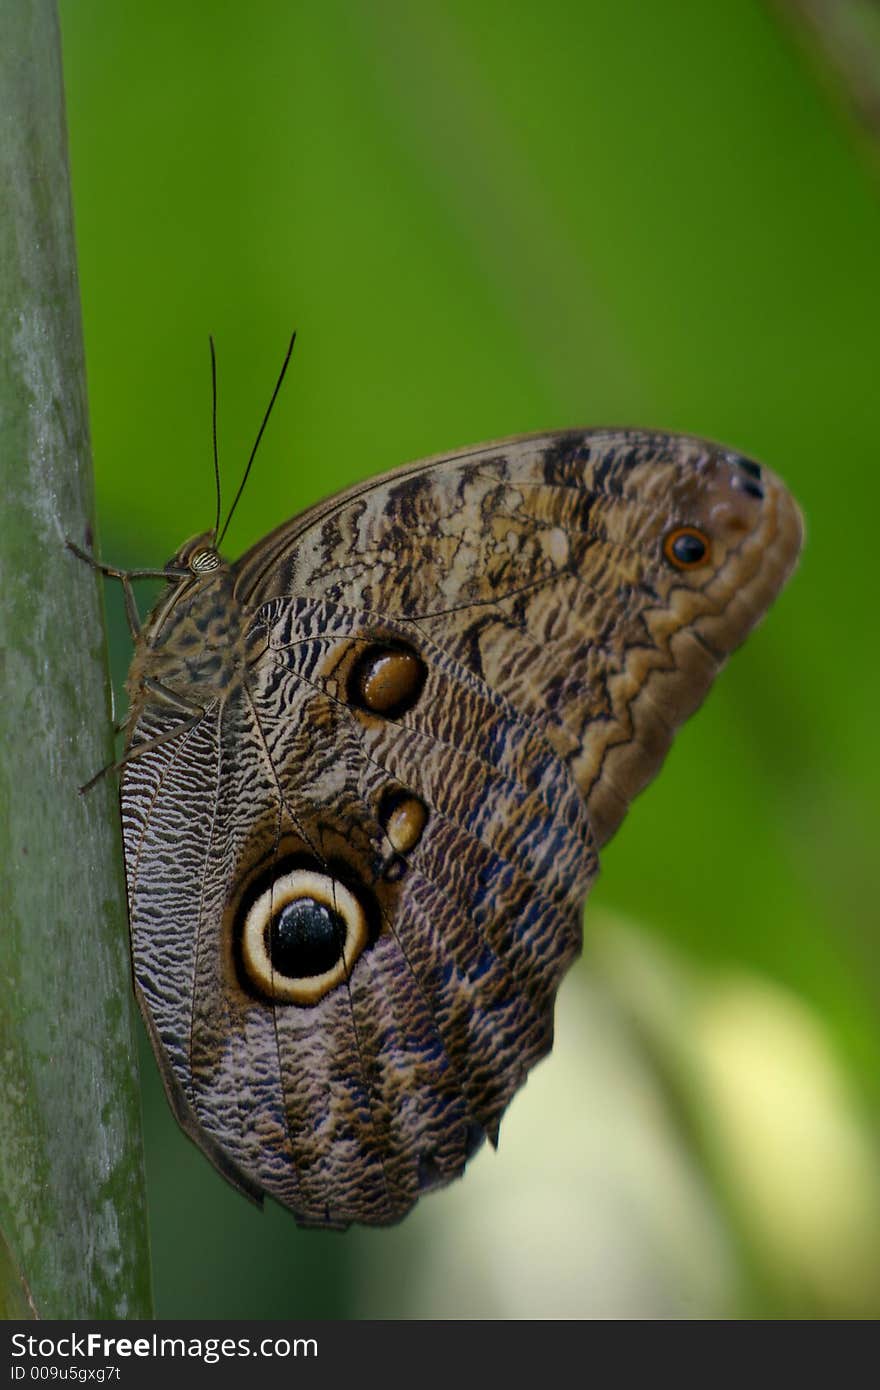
(302, 936)
(687, 548)
(387, 680)
(204, 561)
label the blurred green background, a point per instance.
(485, 218)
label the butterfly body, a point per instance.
(369, 768)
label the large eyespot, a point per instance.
(302, 936)
(386, 680)
(687, 548)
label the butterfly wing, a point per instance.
(356, 881)
(539, 564)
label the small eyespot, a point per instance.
(302, 936)
(394, 868)
(403, 817)
(204, 561)
(387, 680)
(687, 548)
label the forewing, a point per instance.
(538, 563)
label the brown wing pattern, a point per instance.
(355, 881)
(539, 564)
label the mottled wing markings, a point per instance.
(359, 753)
(560, 649)
(314, 1208)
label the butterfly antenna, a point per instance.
(214, 434)
(259, 437)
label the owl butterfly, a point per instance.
(369, 767)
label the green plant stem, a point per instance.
(72, 1202)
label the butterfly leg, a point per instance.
(125, 577)
(164, 695)
(141, 748)
(132, 615)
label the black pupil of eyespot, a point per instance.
(305, 938)
(688, 549)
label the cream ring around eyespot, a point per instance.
(301, 884)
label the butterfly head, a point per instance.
(199, 556)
